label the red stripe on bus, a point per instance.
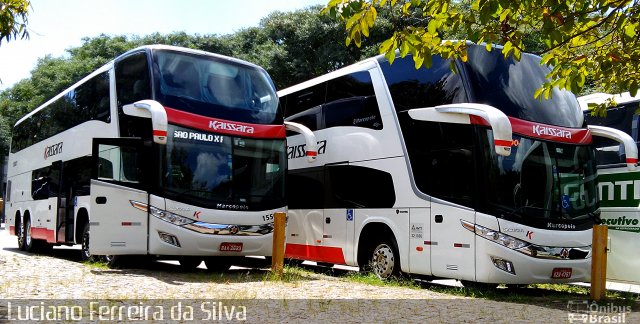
(477, 120)
(542, 131)
(159, 133)
(43, 234)
(312, 153)
(221, 126)
(502, 142)
(632, 161)
(314, 253)
(551, 132)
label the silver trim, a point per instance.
(230, 229)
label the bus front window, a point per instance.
(224, 172)
(543, 180)
(209, 86)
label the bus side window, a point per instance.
(133, 84)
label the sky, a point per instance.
(55, 25)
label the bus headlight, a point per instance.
(498, 237)
(162, 214)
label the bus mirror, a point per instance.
(309, 137)
(154, 110)
(630, 148)
(461, 114)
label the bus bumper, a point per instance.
(169, 239)
(524, 268)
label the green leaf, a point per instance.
(405, 48)
(386, 45)
(630, 30)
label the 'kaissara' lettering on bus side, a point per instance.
(52, 150)
(219, 125)
(298, 151)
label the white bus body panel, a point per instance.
(453, 247)
(117, 227)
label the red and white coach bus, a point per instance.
(163, 151)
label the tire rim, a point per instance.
(383, 261)
(27, 237)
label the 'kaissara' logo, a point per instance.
(219, 125)
(551, 131)
(52, 150)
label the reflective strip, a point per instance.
(630, 160)
(430, 243)
(159, 133)
(502, 142)
(312, 153)
(131, 223)
(460, 245)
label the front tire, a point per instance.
(384, 260)
(189, 263)
(85, 253)
(218, 264)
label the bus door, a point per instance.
(61, 200)
(119, 202)
(452, 246)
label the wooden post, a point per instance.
(277, 259)
(599, 262)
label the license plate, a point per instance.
(561, 273)
(230, 247)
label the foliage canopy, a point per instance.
(581, 40)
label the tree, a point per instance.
(13, 19)
(581, 40)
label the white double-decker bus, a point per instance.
(164, 151)
(619, 188)
(456, 175)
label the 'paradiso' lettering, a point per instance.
(298, 151)
(52, 150)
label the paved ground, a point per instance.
(161, 287)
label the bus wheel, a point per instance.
(20, 234)
(85, 254)
(384, 260)
(189, 263)
(217, 264)
(26, 232)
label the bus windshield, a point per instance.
(540, 179)
(223, 172)
(208, 86)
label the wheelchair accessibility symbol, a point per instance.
(565, 202)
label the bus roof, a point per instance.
(108, 66)
(599, 97)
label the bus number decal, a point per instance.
(52, 150)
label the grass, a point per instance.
(371, 279)
(96, 264)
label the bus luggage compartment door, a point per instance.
(118, 216)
